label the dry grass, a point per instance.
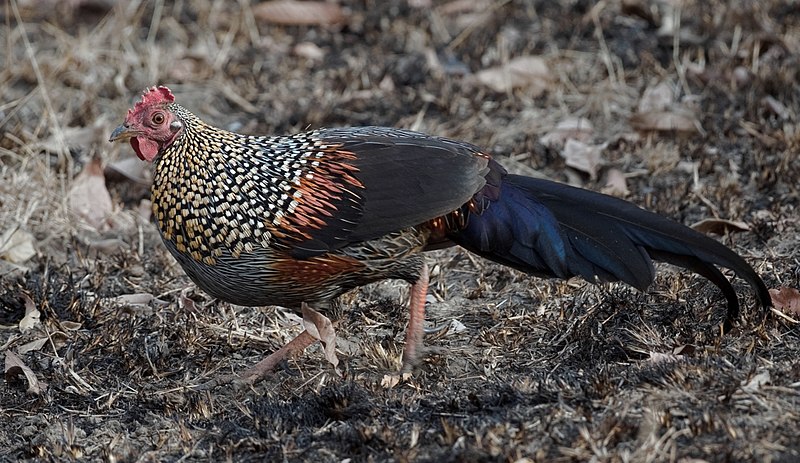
(537, 370)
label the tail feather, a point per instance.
(551, 229)
(711, 273)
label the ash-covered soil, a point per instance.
(687, 108)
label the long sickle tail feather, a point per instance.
(555, 230)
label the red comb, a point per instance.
(153, 96)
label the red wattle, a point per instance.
(145, 148)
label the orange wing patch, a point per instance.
(316, 270)
(329, 179)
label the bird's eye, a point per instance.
(158, 118)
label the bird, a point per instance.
(298, 220)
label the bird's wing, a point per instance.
(384, 180)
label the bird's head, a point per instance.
(150, 125)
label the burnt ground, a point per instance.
(530, 369)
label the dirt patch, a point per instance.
(530, 369)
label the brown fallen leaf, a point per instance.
(720, 226)
(660, 357)
(576, 128)
(32, 315)
(186, 303)
(299, 13)
(656, 98)
(137, 299)
(583, 157)
(70, 325)
(88, 198)
(32, 346)
(786, 299)
(529, 72)
(666, 121)
(616, 183)
(756, 382)
(14, 366)
(309, 50)
(658, 111)
(685, 349)
(16, 245)
(391, 380)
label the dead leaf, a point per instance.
(16, 245)
(391, 380)
(529, 72)
(656, 98)
(32, 315)
(309, 50)
(186, 302)
(456, 326)
(89, 198)
(139, 299)
(31, 346)
(660, 357)
(666, 121)
(755, 383)
(70, 325)
(576, 128)
(14, 366)
(720, 226)
(685, 349)
(299, 13)
(583, 157)
(616, 183)
(786, 299)
(659, 111)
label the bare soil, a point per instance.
(529, 369)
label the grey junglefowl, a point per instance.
(297, 220)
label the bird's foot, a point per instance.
(318, 327)
(261, 369)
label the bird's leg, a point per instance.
(293, 347)
(262, 368)
(416, 318)
(318, 327)
(321, 328)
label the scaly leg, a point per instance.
(294, 347)
(416, 319)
